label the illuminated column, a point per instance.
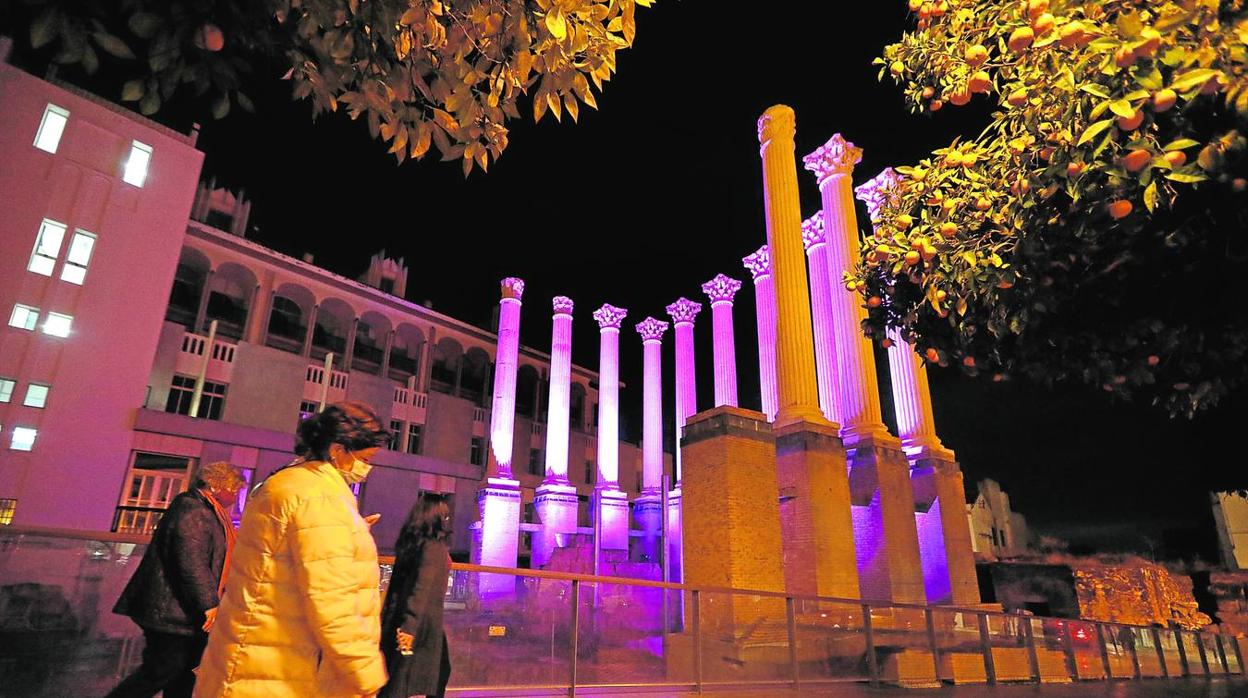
(885, 532)
(815, 520)
(759, 265)
(683, 312)
(821, 313)
(555, 500)
(648, 507)
(721, 290)
(912, 397)
(612, 501)
(496, 537)
(797, 388)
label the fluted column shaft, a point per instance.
(759, 265)
(797, 389)
(858, 395)
(503, 411)
(821, 312)
(609, 399)
(915, 422)
(651, 331)
(558, 406)
(682, 313)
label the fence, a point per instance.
(529, 632)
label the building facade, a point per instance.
(147, 335)
(997, 531)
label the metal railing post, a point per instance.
(1239, 657)
(1100, 640)
(985, 644)
(1222, 654)
(791, 622)
(1161, 653)
(697, 641)
(873, 666)
(1135, 655)
(1185, 669)
(1200, 648)
(930, 622)
(575, 631)
(1029, 637)
(1072, 662)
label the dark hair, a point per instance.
(430, 519)
(353, 425)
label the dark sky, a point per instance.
(660, 190)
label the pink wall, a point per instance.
(99, 373)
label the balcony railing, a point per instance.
(530, 632)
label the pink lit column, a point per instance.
(683, 313)
(612, 501)
(721, 290)
(821, 313)
(885, 533)
(759, 265)
(555, 500)
(497, 536)
(648, 508)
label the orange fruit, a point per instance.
(1133, 122)
(969, 362)
(912, 257)
(1072, 34)
(935, 105)
(959, 96)
(1239, 184)
(932, 355)
(976, 55)
(1120, 209)
(980, 82)
(1042, 24)
(1074, 169)
(1020, 39)
(1164, 99)
(1136, 160)
(1035, 8)
(948, 229)
(982, 204)
(874, 302)
(1176, 158)
(1124, 57)
(1017, 98)
(1152, 41)
(209, 37)
(903, 221)
(897, 68)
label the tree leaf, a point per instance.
(1180, 144)
(132, 91)
(221, 106)
(1097, 89)
(1150, 197)
(1091, 131)
(112, 45)
(1185, 177)
(43, 28)
(1122, 108)
(1192, 79)
(144, 24)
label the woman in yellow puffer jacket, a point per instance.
(300, 613)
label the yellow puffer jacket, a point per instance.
(299, 617)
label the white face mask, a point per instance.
(356, 472)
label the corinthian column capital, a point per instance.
(879, 190)
(651, 329)
(721, 288)
(758, 263)
(609, 316)
(513, 287)
(684, 311)
(812, 231)
(778, 124)
(836, 157)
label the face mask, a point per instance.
(357, 471)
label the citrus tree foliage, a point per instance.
(1095, 230)
(446, 74)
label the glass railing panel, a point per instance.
(959, 651)
(744, 639)
(510, 631)
(1049, 637)
(902, 649)
(621, 639)
(1169, 645)
(1147, 653)
(58, 635)
(1084, 645)
(1232, 659)
(1007, 638)
(1191, 647)
(831, 645)
(1119, 643)
(1210, 642)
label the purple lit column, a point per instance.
(683, 312)
(612, 501)
(721, 290)
(496, 537)
(555, 500)
(759, 265)
(821, 313)
(648, 508)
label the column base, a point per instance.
(816, 523)
(886, 537)
(944, 534)
(556, 505)
(648, 512)
(674, 542)
(496, 540)
(613, 510)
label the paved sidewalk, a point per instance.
(1144, 688)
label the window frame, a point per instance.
(130, 173)
(62, 114)
(30, 317)
(44, 255)
(80, 268)
(27, 446)
(7, 386)
(42, 400)
(69, 324)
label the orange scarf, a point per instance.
(230, 535)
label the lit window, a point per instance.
(47, 247)
(307, 408)
(6, 389)
(51, 128)
(136, 164)
(476, 451)
(80, 248)
(413, 438)
(57, 325)
(36, 395)
(24, 317)
(182, 394)
(23, 438)
(396, 435)
(7, 507)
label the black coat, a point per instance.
(181, 569)
(414, 605)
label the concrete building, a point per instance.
(1230, 516)
(147, 335)
(997, 531)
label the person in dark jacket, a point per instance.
(173, 595)
(412, 638)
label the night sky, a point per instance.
(662, 189)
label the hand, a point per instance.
(371, 519)
(404, 641)
(210, 617)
